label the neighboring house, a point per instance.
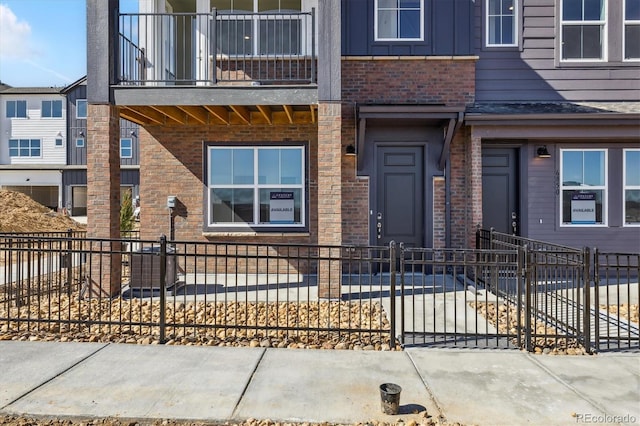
(74, 177)
(33, 141)
(366, 121)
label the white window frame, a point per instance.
(130, 148)
(86, 106)
(603, 188)
(52, 101)
(516, 26)
(80, 143)
(626, 22)
(16, 102)
(256, 186)
(626, 187)
(30, 148)
(376, 29)
(603, 31)
(58, 145)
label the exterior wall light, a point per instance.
(350, 150)
(543, 152)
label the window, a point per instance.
(79, 142)
(631, 186)
(583, 30)
(631, 37)
(81, 108)
(58, 141)
(583, 177)
(126, 148)
(51, 109)
(276, 23)
(256, 186)
(24, 147)
(501, 23)
(399, 20)
(16, 109)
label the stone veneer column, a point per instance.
(474, 161)
(103, 199)
(329, 195)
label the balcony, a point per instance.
(214, 68)
(211, 48)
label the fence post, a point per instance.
(586, 275)
(163, 287)
(596, 296)
(392, 296)
(69, 258)
(526, 274)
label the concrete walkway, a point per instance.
(482, 387)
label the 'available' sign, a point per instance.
(583, 208)
(281, 207)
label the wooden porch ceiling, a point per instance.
(219, 115)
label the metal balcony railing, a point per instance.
(211, 48)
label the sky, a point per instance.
(43, 42)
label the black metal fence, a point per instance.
(511, 292)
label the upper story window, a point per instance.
(24, 147)
(399, 20)
(631, 36)
(583, 30)
(583, 179)
(268, 27)
(631, 186)
(81, 108)
(256, 187)
(52, 109)
(501, 23)
(16, 109)
(126, 148)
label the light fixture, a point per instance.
(543, 152)
(350, 150)
(59, 134)
(133, 134)
(81, 134)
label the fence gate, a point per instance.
(460, 297)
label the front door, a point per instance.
(499, 190)
(399, 208)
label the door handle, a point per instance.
(514, 223)
(379, 226)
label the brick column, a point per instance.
(104, 274)
(439, 213)
(329, 195)
(474, 171)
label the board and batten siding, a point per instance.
(35, 127)
(447, 30)
(533, 72)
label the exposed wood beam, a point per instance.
(221, 113)
(242, 112)
(266, 113)
(133, 116)
(172, 112)
(289, 111)
(150, 114)
(195, 112)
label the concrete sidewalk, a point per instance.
(483, 387)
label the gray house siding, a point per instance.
(533, 71)
(447, 30)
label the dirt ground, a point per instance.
(20, 213)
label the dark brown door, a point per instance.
(399, 213)
(499, 190)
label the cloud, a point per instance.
(14, 36)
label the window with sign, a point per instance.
(256, 187)
(631, 187)
(399, 20)
(583, 186)
(583, 33)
